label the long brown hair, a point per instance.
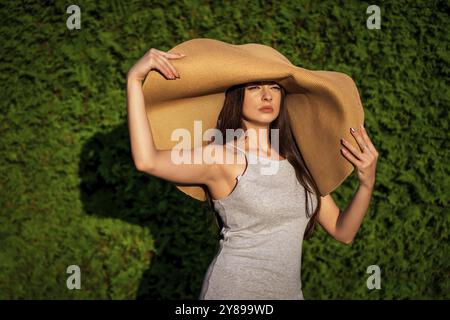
(230, 117)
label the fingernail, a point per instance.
(352, 130)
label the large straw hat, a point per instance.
(322, 105)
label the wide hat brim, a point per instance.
(322, 105)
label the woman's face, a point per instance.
(259, 95)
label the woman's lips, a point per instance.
(266, 109)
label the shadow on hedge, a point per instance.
(111, 187)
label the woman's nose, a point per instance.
(266, 93)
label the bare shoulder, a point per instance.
(216, 154)
(226, 161)
(226, 170)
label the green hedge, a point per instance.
(69, 192)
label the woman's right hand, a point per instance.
(155, 59)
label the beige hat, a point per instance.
(322, 105)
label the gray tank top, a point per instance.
(264, 220)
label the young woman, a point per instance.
(264, 217)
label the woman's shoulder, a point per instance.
(216, 151)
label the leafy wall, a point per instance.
(69, 192)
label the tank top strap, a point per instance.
(232, 145)
(236, 147)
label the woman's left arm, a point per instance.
(365, 162)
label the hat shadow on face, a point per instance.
(149, 209)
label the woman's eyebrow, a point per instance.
(262, 83)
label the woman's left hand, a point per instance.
(365, 159)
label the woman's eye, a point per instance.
(254, 87)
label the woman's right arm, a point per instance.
(146, 157)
